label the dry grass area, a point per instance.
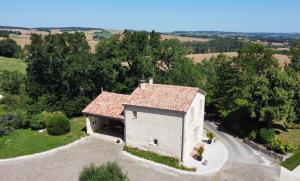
(287, 49)
(184, 39)
(21, 40)
(283, 59)
(274, 44)
(205, 56)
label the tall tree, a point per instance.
(271, 98)
(58, 69)
(255, 59)
(295, 51)
(9, 48)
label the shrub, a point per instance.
(239, 122)
(39, 121)
(58, 124)
(108, 172)
(9, 123)
(9, 48)
(278, 146)
(200, 150)
(210, 135)
(252, 135)
(73, 107)
(12, 82)
(266, 136)
(5, 130)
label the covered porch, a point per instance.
(105, 126)
(105, 115)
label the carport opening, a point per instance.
(108, 126)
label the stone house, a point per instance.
(165, 119)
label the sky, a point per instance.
(158, 15)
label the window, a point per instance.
(153, 142)
(134, 114)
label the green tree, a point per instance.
(271, 98)
(59, 68)
(12, 82)
(9, 48)
(295, 51)
(255, 59)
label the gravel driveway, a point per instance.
(66, 164)
(243, 161)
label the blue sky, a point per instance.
(160, 15)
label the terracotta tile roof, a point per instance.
(108, 104)
(159, 96)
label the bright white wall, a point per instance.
(93, 124)
(165, 126)
(193, 123)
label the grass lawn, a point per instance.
(25, 142)
(292, 162)
(148, 155)
(12, 64)
(292, 136)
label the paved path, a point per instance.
(243, 161)
(65, 164)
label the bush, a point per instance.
(108, 172)
(5, 130)
(200, 150)
(9, 48)
(12, 82)
(210, 135)
(239, 122)
(252, 135)
(73, 107)
(58, 124)
(278, 146)
(266, 136)
(9, 123)
(39, 121)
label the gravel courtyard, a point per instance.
(66, 165)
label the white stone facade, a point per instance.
(165, 132)
(193, 125)
(93, 124)
(154, 124)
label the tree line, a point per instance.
(213, 46)
(6, 33)
(248, 92)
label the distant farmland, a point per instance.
(283, 59)
(184, 39)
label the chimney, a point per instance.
(142, 86)
(142, 83)
(150, 80)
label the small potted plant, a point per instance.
(210, 136)
(199, 154)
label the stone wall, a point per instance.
(264, 150)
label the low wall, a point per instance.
(264, 150)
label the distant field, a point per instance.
(184, 39)
(200, 57)
(12, 64)
(283, 59)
